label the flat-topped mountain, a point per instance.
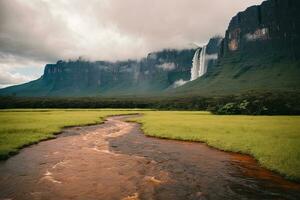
(156, 72)
(260, 51)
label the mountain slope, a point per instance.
(260, 51)
(230, 78)
(155, 73)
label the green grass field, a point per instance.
(19, 128)
(273, 140)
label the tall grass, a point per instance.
(273, 140)
(19, 128)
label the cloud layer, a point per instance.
(43, 31)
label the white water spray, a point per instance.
(199, 63)
(195, 67)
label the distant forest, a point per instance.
(251, 103)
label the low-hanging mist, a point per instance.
(40, 32)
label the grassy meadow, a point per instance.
(273, 140)
(19, 128)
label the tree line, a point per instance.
(250, 103)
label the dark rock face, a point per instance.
(213, 45)
(212, 50)
(83, 75)
(154, 73)
(260, 52)
(270, 29)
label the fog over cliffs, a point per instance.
(261, 43)
(260, 52)
(34, 33)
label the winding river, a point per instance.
(114, 160)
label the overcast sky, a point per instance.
(36, 32)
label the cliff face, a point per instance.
(154, 73)
(270, 29)
(212, 51)
(260, 52)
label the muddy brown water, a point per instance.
(116, 161)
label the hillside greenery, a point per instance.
(19, 128)
(273, 140)
(250, 103)
(239, 74)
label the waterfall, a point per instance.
(203, 66)
(195, 67)
(199, 67)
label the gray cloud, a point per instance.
(166, 66)
(179, 82)
(7, 78)
(45, 30)
(16, 70)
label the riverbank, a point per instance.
(23, 127)
(272, 140)
(115, 160)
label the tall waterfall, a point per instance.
(199, 63)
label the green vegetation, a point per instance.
(239, 74)
(81, 78)
(273, 140)
(19, 128)
(250, 103)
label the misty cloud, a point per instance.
(45, 31)
(166, 66)
(211, 56)
(179, 82)
(7, 78)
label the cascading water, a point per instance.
(203, 64)
(195, 67)
(199, 63)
